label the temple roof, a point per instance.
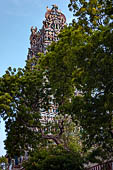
(54, 8)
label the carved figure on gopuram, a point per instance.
(54, 22)
(33, 36)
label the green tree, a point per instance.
(21, 111)
(30, 93)
(90, 14)
(85, 63)
(94, 74)
(54, 159)
(3, 162)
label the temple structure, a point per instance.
(54, 22)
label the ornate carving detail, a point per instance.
(33, 36)
(53, 23)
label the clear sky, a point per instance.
(16, 19)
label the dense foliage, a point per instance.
(54, 159)
(85, 63)
(29, 94)
(3, 162)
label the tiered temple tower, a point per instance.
(54, 22)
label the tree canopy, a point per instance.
(55, 158)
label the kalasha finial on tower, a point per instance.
(55, 6)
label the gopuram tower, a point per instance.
(54, 22)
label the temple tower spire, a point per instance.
(53, 23)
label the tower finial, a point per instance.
(55, 6)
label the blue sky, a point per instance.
(16, 19)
